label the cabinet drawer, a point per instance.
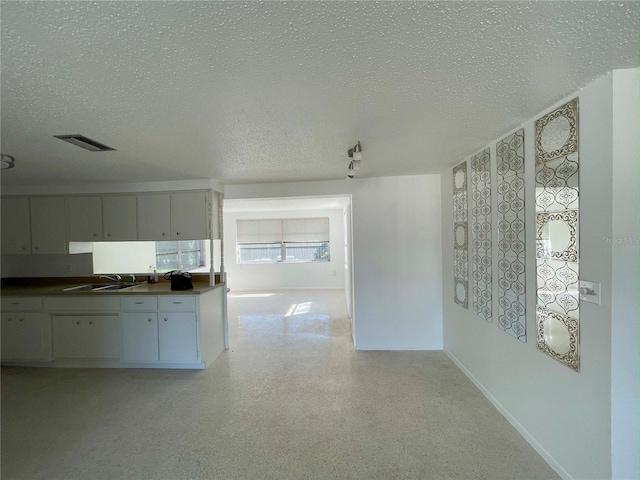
(139, 304)
(21, 304)
(82, 304)
(177, 303)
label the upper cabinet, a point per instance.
(173, 216)
(154, 217)
(16, 225)
(33, 225)
(119, 218)
(47, 225)
(189, 219)
(95, 219)
(84, 217)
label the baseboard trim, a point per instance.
(396, 348)
(553, 463)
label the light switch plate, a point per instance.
(590, 291)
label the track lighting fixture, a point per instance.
(355, 154)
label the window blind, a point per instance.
(259, 231)
(288, 230)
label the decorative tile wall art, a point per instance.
(558, 336)
(557, 234)
(481, 231)
(511, 236)
(460, 236)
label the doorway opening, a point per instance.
(278, 246)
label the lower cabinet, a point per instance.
(178, 337)
(167, 332)
(23, 336)
(86, 336)
(140, 337)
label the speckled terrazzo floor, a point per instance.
(290, 400)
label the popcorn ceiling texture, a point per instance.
(275, 91)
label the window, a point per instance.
(179, 255)
(293, 240)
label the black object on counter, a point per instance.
(179, 280)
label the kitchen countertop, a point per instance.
(162, 288)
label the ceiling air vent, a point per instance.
(84, 142)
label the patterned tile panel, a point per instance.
(460, 236)
(557, 234)
(511, 236)
(481, 233)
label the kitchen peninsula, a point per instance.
(146, 326)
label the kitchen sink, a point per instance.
(102, 287)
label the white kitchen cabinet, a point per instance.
(84, 217)
(26, 333)
(16, 226)
(154, 217)
(48, 225)
(23, 336)
(167, 336)
(178, 337)
(86, 336)
(189, 216)
(119, 218)
(140, 337)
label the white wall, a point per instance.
(624, 314)
(283, 276)
(396, 255)
(564, 414)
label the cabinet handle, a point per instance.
(108, 234)
(36, 248)
(78, 322)
(11, 320)
(139, 303)
(164, 234)
(22, 320)
(24, 248)
(90, 323)
(177, 233)
(95, 234)
(149, 320)
(15, 303)
(177, 303)
(166, 319)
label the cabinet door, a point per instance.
(189, 217)
(84, 215)
(22, 336)
(48, 225)
(178, 337)
(154, 217)
(140, 337)
(119, 218)
(16, 225)
(85, 336)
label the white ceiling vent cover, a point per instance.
(84, 142)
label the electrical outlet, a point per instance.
(590, 291)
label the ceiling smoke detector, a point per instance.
(85, 142)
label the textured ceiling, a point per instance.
(276, 91)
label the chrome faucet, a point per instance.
(116, 278)
(133, 277)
